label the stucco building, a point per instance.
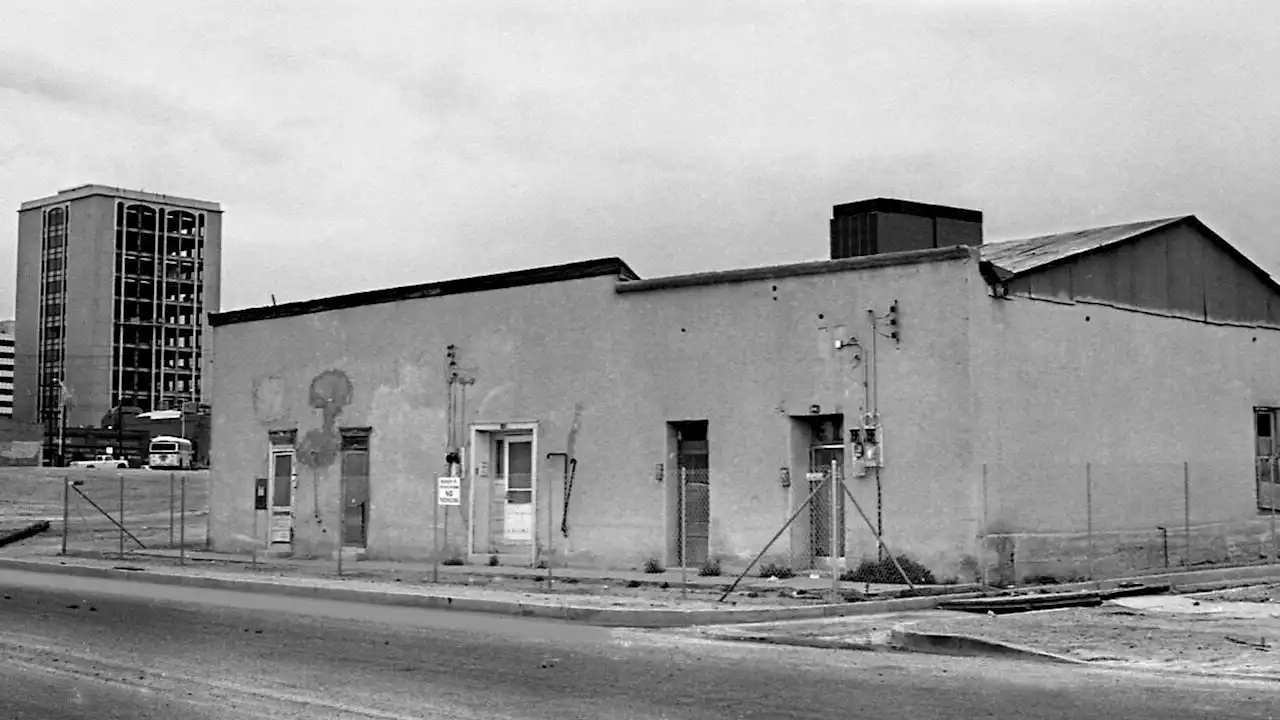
(1010, 384)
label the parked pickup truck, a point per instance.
(102, 461)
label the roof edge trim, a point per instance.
(480, 283)
(819, 267)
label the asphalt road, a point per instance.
(87, 648)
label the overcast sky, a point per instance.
(360, 145)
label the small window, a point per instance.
(283, 438)
(354, 439)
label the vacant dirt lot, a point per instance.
(1269, 593)
(1219, 641)
(29, 495)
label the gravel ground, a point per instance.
(1116, 635)
(1269, 593)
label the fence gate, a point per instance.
(821, 458)
(693, 531)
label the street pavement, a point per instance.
(74, 647)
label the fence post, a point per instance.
(435, 532)
(171, 510)
(182, 527)
(551, 536)
(982, 547)
(67, 504)
(342, 517)
(835, 533)
(1271, 495)
(1088, 510)
(1186, 512)
(121, 476)
(684, 532)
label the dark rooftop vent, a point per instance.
(884, 225)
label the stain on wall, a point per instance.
(331, 391)
(269, 399)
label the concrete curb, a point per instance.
(607, 617)
(970, 646)
(1179, 581)
(807, 642)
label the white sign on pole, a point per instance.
(449, 490)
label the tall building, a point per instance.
(114, 290)
(6, 368)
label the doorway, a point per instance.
(282, 481)
(693, 500)
(826, 463)
(355, 488)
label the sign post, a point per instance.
(448, 493)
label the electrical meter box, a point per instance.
(260, 494)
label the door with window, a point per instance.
(514, 465)
(281, 492)
(1267, 458)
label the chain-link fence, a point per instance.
(131, 511)
(1094, 520)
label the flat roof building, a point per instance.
(113, 294)
(996, 411)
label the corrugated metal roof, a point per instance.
(1019, 256)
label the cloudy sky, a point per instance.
(358, 145)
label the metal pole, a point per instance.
(255, 533)
(1272, 496)
(1088, 510)
(684, 533)
(812, 494)
(835, 533)
(982, 551)
(551, 537)
(255, 517)
(182, 526)
(121, 475)
(435, 534)
(879, 538)
(66, 509)
(1186, 512)
(342, 497)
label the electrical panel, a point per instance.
(868, 444)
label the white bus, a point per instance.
(168, 451)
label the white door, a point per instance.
(517, 465)
(281, 495)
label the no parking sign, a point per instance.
(449, 490)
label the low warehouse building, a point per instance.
(1000, 410)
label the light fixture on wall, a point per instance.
(815, 409)
(658, 470)
(784, 476)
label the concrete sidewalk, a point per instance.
(563, 600)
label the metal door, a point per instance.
(281, 492)
(820, 460)
(355, 506)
